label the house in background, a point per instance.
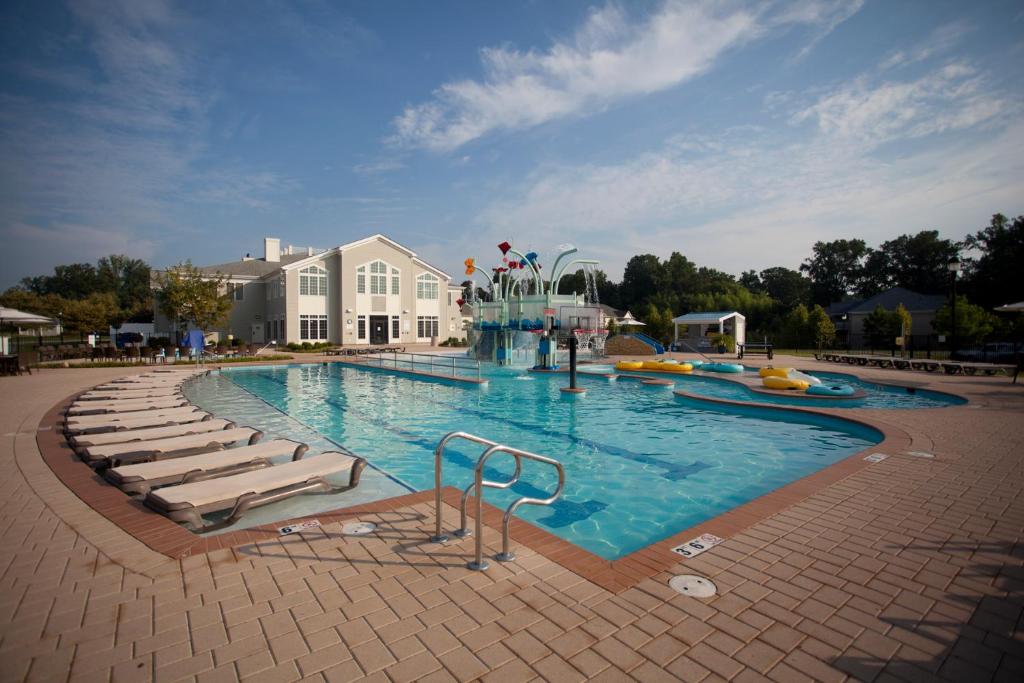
(371, 291)
(849, 315)
(620, 318)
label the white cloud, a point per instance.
(940, 40)
(950, 98)
(756, 197)
(608, 58)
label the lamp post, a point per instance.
(954, 270)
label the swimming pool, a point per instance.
(876, 395)
(640, 464)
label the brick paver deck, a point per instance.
(907, 569)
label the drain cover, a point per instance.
(358, 528)
(694, 586)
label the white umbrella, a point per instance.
(1012, 308)
(13, 316)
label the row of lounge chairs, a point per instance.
(950, 367)
(142, 435)
(362, 351)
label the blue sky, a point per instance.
(736, 133)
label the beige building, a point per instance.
(371, 291)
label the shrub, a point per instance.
(726, 340)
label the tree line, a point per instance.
(787, 305)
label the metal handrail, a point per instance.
(479, 483)
(433, 360)
(438, 536)
(479, 564)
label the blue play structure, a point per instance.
(526, 317)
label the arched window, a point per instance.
(426, 286)
(313, 281)
(378, 277)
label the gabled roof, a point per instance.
(366, 240)
(707, 318)
(251, 267)
(892, 298)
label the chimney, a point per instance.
(309, 251)
(291, 250)
(271, 249)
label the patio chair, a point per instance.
(187, 503)
(117, 454)
(148, 433)
(98, 424)
(127, 406)
(140, 478)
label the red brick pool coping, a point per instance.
(168, 538)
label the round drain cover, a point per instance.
(694, 586)
(358, 528)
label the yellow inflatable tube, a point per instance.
(681, 368)
(629, 365)
(774, 372)
(785, 383)
(657, 365)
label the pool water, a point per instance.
(878, 395)
(640, 463)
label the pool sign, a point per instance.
(697, 545)
(301, 526)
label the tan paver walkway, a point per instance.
(910, 569)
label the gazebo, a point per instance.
(699, 324)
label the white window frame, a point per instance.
(396, 282)
(427, 327)
(427, 287)
(361, 280)
(313, 281)
(313, 328)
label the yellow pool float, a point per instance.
(629, 365)
(785, 383)
(774, 372)
(681, 368)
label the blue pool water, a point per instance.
(878, 395)
(640, 463)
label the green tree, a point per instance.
(993, 277)
(189, 297)
(795, 326)
(129, 279)
(643, 277)
(821, 329)
(973, 323)
(916, 262)
(881, 327)
(787, 287)
(93, 314)
(835, 269)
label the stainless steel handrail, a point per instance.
(439, 536)
(463, 530)
(433, 360)
(479, 564)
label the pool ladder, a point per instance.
(479, 483)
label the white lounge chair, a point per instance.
(140, 478)
(117, 454)
(124, 417)
(126, 406)
(149, 418)
(187, 503)
(149, 433)
(152, 392)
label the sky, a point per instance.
(735, 133)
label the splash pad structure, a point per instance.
(526, 318)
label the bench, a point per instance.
(762, 349)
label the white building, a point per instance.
(371, 291)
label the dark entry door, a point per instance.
(378, 329)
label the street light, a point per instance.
(954, 270)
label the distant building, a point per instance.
(371, 291)
(619, 317)
(849, 315)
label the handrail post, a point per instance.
(480, 564)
